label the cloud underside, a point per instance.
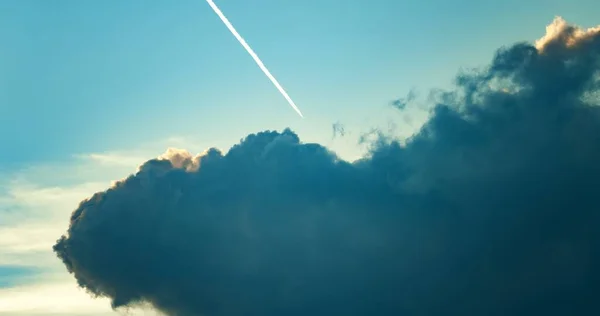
(492, 208)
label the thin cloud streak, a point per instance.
(34, 202)
(253, 55)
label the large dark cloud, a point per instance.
(492, 208)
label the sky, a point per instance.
(90, 90)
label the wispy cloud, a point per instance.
(35, 204)
(53, 296)
(50, 298)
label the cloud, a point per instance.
(35, 203)
(54, 298)
(490, 209)
(338, 129)
(32, 282)
(32, 215)
(559, 31)
(401, 103)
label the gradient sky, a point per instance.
(94, 88)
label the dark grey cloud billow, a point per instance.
(493, 208)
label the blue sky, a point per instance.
(90, 89)
(84, 76)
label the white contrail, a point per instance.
(254, 56)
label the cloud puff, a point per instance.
(490, 209)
